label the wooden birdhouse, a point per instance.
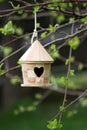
(36, 66)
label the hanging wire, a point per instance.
(35, 33)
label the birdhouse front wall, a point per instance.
(36, 74)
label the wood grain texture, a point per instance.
(36, 53)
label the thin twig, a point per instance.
(11, 69)
(46, 94)
(71, 103)
(15, 39)
(65, 38)
(67, 78)
(15, 52)
(74, 101)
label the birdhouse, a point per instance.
(36, 66)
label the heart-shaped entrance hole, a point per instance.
(38, 71)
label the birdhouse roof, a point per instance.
(36, 53)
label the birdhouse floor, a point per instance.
(25, 85)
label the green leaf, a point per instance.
(44, 34)
(71, 113)
(8, 29)
(2, 71)
(31, 108)
(16, 112)
(38, 96)
(72, 59)
(62, 5)
(38, 25)
(36, 8)
(80, 66)
(54, 14)
(70, 4)
(83, 102)
(52, 125)
(55, 55)
(19, 31)
(85, 4)
(71, 20)
(6, 51)
(61, 81)
(62, 108)
(26, 37)
(1, 65)
(67, 62)
(35, 103)
(53, 80)
(49, 5)
(19, 62)
(54, 51)
(51, 28)
(53, 47)
(72, 73)
(17, 7)
(74, 43)
(60, 18)
(84, 20)
(20, 11)
(15, 80)
(21, 109)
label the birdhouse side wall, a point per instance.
(30, 78)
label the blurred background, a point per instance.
(32, 108)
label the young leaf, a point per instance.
(36, 8)
(62, 108)
(62, 81)
(19, 11)
(54, 51)
(44, 34)
(8, 29)
(80, 66)
(15, 80)
(31, 108)
(71, 20)
(53, 47)
(72, 59)
(52, 125)
(1, 65)
(38, 95)
(2, 71)
(19, 31)
(84, 20)
(60, 18)
(71, 73)
(70, 4)
(51, 28)
(6, 51)
(74, 43)
(55, 55)
(67, 62)
(38, 25)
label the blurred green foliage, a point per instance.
(74, 118)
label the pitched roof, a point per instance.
(36, 53)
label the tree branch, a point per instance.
(15, 52)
